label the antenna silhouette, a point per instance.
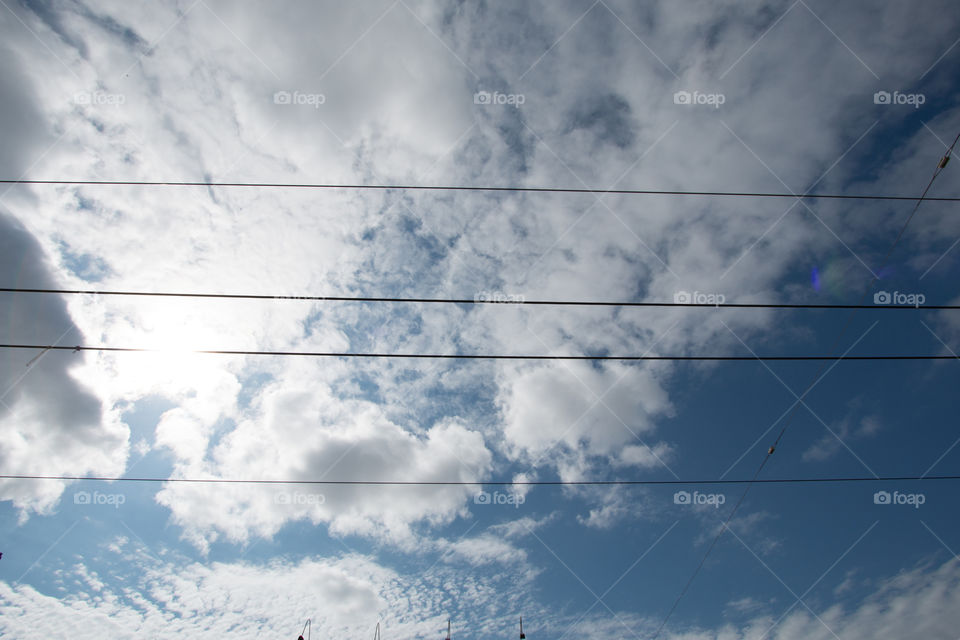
(448, 629)
(522, 637)
(307, 628)
(376, 634)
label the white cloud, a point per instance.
(841, 436)
(302, 431)
(565, 408)
(186, 437)
(746, 605)
(51, 422)
(239, 599)
(347, 595)
(611, 512)
(520, 527)
(644, 457)
(484, 549)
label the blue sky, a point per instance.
(777, 96)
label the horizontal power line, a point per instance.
(462, 356)
(480, 300)
(416, 187)
(472, 483)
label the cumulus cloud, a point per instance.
(301, 431)
(51, 422)
(564, 409)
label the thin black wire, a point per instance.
(789, 418)
(480, 300)
(469, 356)
(413, 187)
(472, 483)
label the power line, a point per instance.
(816, 377)
(471, 483)
(469, 356)
(478, 300)
(515, 189)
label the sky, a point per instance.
(785, 96)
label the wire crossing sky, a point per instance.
(482, 300)
(534, 483)
(479, 356)
(519, 189)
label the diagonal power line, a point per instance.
(942, 163)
